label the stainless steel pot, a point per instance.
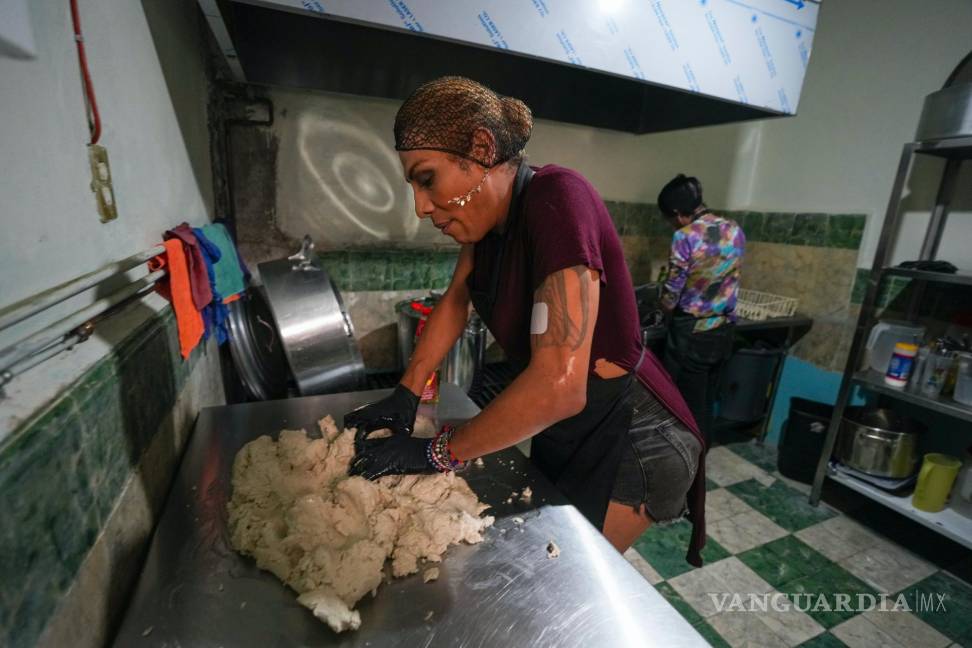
(255, 346)
(464, 361)
(879, 442)
(314, 326)
(408, 320)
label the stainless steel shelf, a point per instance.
(874, 381)
(958, 148)
(949, 523)
(935, 277)
(943, 132)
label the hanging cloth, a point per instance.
(177, 288)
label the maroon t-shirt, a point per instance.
(564, 224)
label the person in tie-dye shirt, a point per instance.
(699, 294)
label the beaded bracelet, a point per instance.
(439, 453)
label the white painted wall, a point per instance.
(339, 178)
(156, 139)
(148, 68)
(873, 63)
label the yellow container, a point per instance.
(935, 480)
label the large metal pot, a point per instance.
(255, 346)
(314, 327)
(408, 320)
(879, 442)
(464, 362)
(465, 359)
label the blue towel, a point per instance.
(214, 315)
(229, 271)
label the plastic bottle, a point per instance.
(963, 380)
(936, 370)
(901, 364)
(919, 367)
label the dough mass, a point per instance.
(327, 535)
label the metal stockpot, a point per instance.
(879, 442)
(255, 346)
(408, 320)
(314, 326)
(464, 361)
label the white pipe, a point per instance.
(32, 305)
(55, 332)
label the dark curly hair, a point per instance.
(682, 195)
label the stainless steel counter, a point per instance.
(195, 590)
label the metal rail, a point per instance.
(29, 307)
(66, 333)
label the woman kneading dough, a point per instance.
(542, 264)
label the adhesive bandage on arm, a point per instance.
(538, 319)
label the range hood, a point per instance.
(646, 66)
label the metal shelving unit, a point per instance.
(950, 524)
(874, 381)
(945, 131)
(937, 277)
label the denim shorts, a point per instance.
(659, 460)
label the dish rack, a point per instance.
(756, 305)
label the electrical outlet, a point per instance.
(101, 182)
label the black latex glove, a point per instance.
(395, 412)
(395, 455)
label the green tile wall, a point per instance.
(888, 291)
(395, 269)
(813, 229)
(356, 270)
(61, 472)
(638, 219)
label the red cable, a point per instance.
(94, 119)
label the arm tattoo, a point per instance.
(563, 328)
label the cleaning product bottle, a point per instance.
(901, 365)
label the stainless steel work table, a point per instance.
(195, 590)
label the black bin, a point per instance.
(802, 438)
(746, 381)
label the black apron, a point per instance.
(579, 455)
(484, 300)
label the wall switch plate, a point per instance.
(101, 182)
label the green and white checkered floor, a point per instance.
(763, 537)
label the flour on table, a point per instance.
(327, 535)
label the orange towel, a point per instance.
(231, 298)
(177, 289)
